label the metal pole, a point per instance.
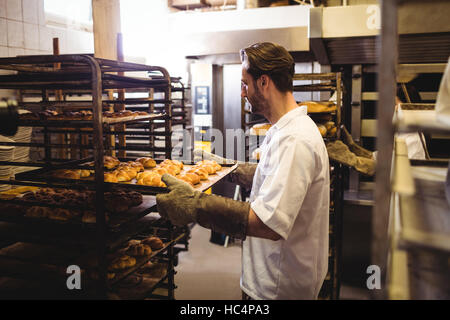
(388, 56)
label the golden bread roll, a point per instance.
(332, 132)
(110, 177)
(160, 170)
(110, 162)
(260, 129)
(177, 163)
(154, 242)
(329, 125)
(322, 129)
(135, 165)
(202, 173)
(150, 178)
(171, 168)
(317, 107)
(210, 168)
(147, 162)
(185, 178)
(194, 177)
(217, 166)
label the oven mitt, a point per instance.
(183, 205)
(339, 152)
(355, 148)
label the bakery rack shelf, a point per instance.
(56, 78)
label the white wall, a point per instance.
(23, 31)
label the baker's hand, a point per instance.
(243, 175)
(183, 205)
(178, 204)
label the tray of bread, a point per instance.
(142, 174)
(85, 116)
(59, 206)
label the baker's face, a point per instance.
(250, 91)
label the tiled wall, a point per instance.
(23, 31)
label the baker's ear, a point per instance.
(264, 80)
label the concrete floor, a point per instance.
(210, 271)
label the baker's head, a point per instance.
(271, 60)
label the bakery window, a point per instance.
(74, 13)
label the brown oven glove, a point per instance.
(183, 205)
(339, 152)
(355, 148)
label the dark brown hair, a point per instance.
(272, 60)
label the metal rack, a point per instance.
(330, 82)
(96, 79)
(394, 218)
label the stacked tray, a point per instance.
(6, 154)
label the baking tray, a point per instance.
(44, 175)
(86, 123)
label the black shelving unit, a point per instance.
(54, 80)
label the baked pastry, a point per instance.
(147, 162)
(67, 174)
(217, 166)
(201, 172)
(110, 177)
(154, 242)
(150, 178)
(160, 170)
(122, 262)
(60, 214)
(125, 174)
(185, 178)
(110, 162)
(138, 250)
(209, 166)
(191, 178)
(318, 107)
(171, 168)
(177, 163)
(91, 217)
(37, 212)
(322, 129)
(260, 129)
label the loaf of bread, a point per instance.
(110, 177)
(150, 178)
(161, 170)
(138, 250)
(177, 163)
(171, 168)
(322, 129)
(121, 263)
(260, 129)
(147, 162)
(37, 212)
(61, 214)
(154, 242)
(318, 107)
(202, 173)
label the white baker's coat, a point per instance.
(291, 195)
